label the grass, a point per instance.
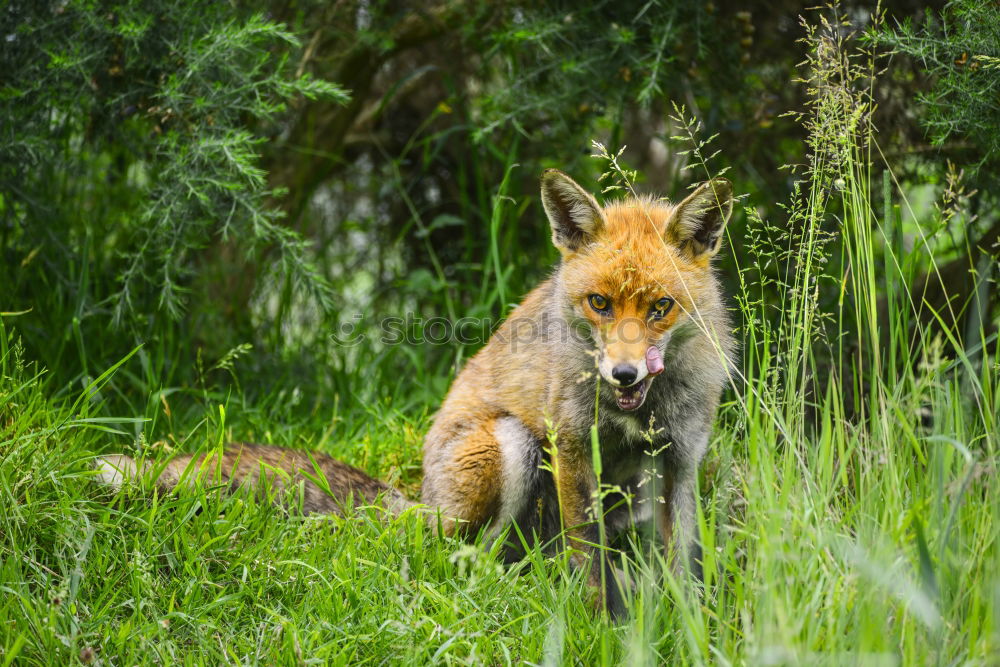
(849, 499)
(870, 543)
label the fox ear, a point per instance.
(698, 221)
(574, 214)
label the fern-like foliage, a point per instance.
(960, 49)
(129, 145)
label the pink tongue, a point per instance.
(654, 362)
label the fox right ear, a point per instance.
(698, 221)
(574, 214)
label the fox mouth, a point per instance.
(632, 397)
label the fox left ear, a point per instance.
(574, 214)
(698, 221)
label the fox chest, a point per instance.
(630, 451)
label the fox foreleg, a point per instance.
(676, 522)
(579, 506)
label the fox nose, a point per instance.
(625, 374)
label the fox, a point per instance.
(635, 295)
(627, 346)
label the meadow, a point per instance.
(849, 504)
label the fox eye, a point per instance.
(661, 308)
(598, 303)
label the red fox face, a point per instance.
(635, 272)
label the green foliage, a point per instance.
(609, 54)
(130, 144)
(960, 49)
